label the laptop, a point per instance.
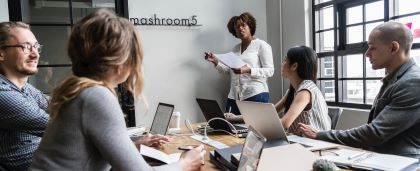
(211, 109)
(263, 117)
(251, 151)
(162, 117)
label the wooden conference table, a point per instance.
(185, 139)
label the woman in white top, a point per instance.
(303, 102)
(249, 82)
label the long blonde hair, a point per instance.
(97, 43)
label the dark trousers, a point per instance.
(231, 104)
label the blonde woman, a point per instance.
(86, 129)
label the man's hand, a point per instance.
(308, 131)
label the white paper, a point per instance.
(159, 155)
(370, 160)
(311, 144)
(230, 59)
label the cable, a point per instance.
(205, 137)
(187, 123)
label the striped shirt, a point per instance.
(23, 119)
(317, 115)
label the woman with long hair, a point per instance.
(86, 130)
(303, 102)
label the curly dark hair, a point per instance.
(245, 17)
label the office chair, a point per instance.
(334, 114)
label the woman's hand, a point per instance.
(193, 159)
(153, 140)
(242, 70)
(234, 118)
(308, 131)
(210, 57)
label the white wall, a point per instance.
(174, 65)
(4, 10)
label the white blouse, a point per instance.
(259, 57)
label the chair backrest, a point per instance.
(334, 114)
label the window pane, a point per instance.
(352, 91)
(352, 66)
(354, 34)
(54, 39)
(369, 28)
(326, 18)
(326, 68)
(373, 73)
(327, 87)
(325, 41)
(415, 54)
(406, 6)
(415, 26)
(372, 89)
(354, 15)
(374, 11)
(48, 78)
(81, 8)
(40, 12)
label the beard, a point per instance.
(28, 71)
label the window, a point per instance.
(341, 29)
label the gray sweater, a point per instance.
(395, 128)
(89, 133)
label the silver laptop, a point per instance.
(263, 117)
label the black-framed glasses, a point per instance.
(26, 47)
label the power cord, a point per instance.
(205, 137)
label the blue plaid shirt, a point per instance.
(23, 119)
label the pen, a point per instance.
(356, 155)
(187, 148)
(230, 109)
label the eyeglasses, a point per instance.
(26, 47)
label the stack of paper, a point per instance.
(369, 160)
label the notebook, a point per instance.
(162, 117)
(251, 151)
(211, 109)
(263, 117)
(369, 160)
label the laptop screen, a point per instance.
(162, 117)
(251, 150)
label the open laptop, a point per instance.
(249, 158)
(211, 109)
(162, 117)
(263, 117)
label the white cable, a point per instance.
(212, 119)
(188, 125)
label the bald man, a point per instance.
(394, 120)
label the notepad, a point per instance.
(151, 153)
(311, 144)
(369, 160)
(231, 60)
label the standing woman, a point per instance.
(303, 102)
(249, 82)
(86, 129)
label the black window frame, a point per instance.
(341, 48)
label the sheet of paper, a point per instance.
(311, 144)
(159, 155)
(230, 59)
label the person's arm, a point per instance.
(399, 115)
(218, 65)
(22, 114)
(301, 100)
(152, 140)
(280, 104)
(265, 55)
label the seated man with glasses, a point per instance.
(23, 116)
